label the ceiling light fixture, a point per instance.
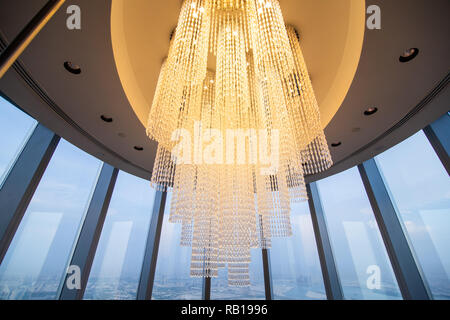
(408, 55)
(370, 111)
(72, 68)
(234, 143)
(106, 118)
(336, 144)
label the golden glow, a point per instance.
(332, 34)
(231, 200)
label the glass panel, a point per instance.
(39, 253)
(361, 258)
(220, 290)
(296, 271)
(118, 261)
(420, 188)
(172, 278)
(15, 129)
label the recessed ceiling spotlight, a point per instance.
(408, 55)
(106, 118)
(336, 144)
(72, 68)
(138, 148)
(370, 111)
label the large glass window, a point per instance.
(15, 129)
(220, 290)
(172, 278)
(296, 271)
(362, 261)
(118, 261)
(420, 188)
(39, 253)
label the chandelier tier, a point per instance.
(231, 197)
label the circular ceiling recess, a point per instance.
(72, 68)
(332, 34)
(408, 55)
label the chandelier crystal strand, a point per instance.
(188, 59)
(260, 105)
(270, 40)
(272, 203)
(221, 10)
(275, 64)
(316, 156)
(205, 242)
(186, 175)
(237, 204)
(185, 70)
(163, 170)
(232, 79)
(237, 217)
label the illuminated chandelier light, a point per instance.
(261, 87)
(316, 156)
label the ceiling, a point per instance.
(408, 96)
(332, 34)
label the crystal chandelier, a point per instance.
(234, 142)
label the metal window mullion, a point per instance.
(268, 287)
(206, 288)
(145, 288)
(86, 246)
(409, 276)
(265, 254)
(438, 133)
(22, 181)
(328, 265)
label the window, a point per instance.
(172, 277)
(15, 129)
(220, 290)
(420, 188)
(361, 258)
(296, 271)
(39, 253)
(118, 260)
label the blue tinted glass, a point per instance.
(361, 258)
(172, 278)
(15, 129)
(420, 188)
(118, 260)
(39, 253)
(296, 271)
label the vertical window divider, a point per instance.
(206, 288)
(438, 133)
(265, 254)
(331, 279)
(86, 246)
(147, 278)
(268, 287)
(409, 275)
(22, 182)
